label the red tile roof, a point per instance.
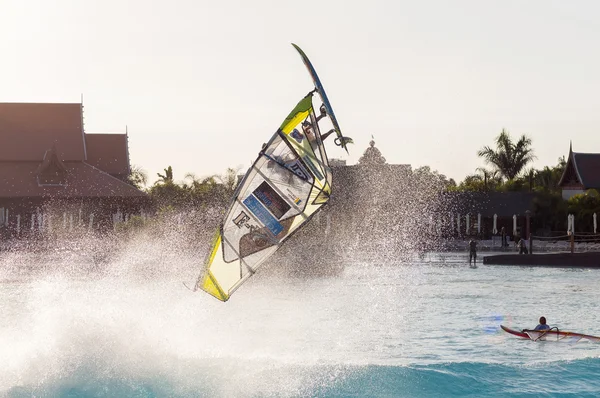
(108, 152)
(19, 179)
(29, 129)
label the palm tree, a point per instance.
(509, 158)
(229, 180)
(472, 182)
(166, 178)
(201, 189)
(197, 183)
(137, 177)
(548, 178)
(490, 177)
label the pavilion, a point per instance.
(53, 173)
(582, 172)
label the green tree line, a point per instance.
(212, 191)
(508, 169)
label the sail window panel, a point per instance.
(280, 153)
(309, 148)
(316, 143)
(288, 186)
(252, 262)
(252, 179)
(288, 175)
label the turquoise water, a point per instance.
(429, 329)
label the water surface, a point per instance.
(426, 329)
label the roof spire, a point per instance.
(372, 155)
(570, 146)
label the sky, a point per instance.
(201, 85)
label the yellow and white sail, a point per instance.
(287, 184)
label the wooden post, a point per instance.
(530, 244)
(528, 229)
(572, 242)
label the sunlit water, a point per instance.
(429, 329)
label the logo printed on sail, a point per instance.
(241, 219)
(293, 197)
(261, 212)
(312, 167)
(295, 134)
(299, 170)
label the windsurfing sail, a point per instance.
(286, 185)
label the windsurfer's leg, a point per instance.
(327, 134)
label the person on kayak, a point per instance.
(542, 325)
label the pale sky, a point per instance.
(202, 84)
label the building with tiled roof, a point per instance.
(50, 167)
(582, 172)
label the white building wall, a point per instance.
(568, 193)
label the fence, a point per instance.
(578, 242)
(43, 223)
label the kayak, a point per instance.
(552, 334)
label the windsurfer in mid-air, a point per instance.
(473, 251)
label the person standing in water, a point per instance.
(503, 234)
(473, 252)
(522, 245)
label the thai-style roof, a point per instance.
(108, 152)
(20, 179)
(45, 152)
(52, 171)
(28, 130)
(582, 170)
